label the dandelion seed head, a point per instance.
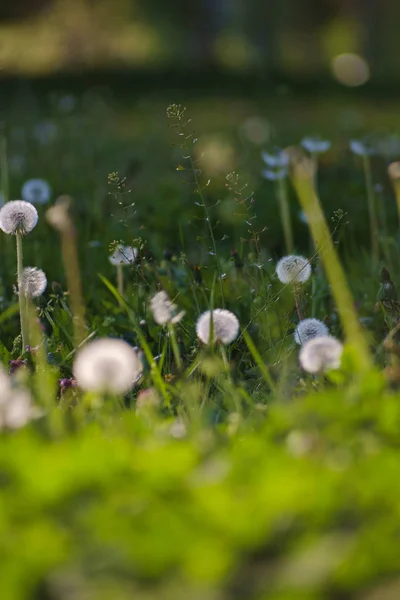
(164, 311)
(309, 329)
(16, 408)
(321, 354)
(293, 269)
(33, 282)
(18, 217)
(107, 365)
(123, 255)
(36, 191)
(225, 326)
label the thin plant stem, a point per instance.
(285, 214)
(373, 222)
(302, 177)
(175, 347)
(297, 302)
(120, 279)
(21, 297)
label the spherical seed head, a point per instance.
(164, 311)
(293, 269)
(33, 282)
(107, 365)
(123, 255)
(36, 191)
(225, 326)
(309, 329)
(18, 217)
(321, 354)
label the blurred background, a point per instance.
(297, 38)
(85, 85)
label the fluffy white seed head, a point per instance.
(36, 191)
(321, 354)
(225, 326)
(18, 216)
(309, 329)
(123, 255)
(293, 269)
(33, 282)
(16, 407)
(164, 311)
(107, 365)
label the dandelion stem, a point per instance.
(302, 177)
(373, 223)
(297, 301)
(21, 297)
(285, 214)
(120, 279)
(175, 347)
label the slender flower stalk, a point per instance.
(21, 296)
(281, 190)
(302, 177)
(373, 221)
(59, 218)
(394, 174)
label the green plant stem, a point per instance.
(373, 222)
(21, 297)
(175, 347)
(120, 279)
(285, 214)
(303, 183)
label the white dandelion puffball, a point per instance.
(123, 255)
(309, 329)
(225, 326)
(33, 282)
(321, 354)
(18, 217)
(36, 191)
(164, 311)
(293, 269)
(16, 408)
(107, 365)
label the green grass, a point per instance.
(237, 475)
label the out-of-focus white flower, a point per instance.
(293, 269)
(362, 147)
(45, 132)
(67, 103)
(321, 354)
(315, 145)
(107, 365)
(164, 311)
(123, 255)
(225, 326)
(33, 282)
(36, 191)
(309, 329)
(18, 217)
(278, 159)
(16, 408)
(274, 175)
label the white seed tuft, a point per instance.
(293, 269)
(123, 255)
(164, 311)
(36, 191)
(315, 144)
(309, 329)
(225, 326)
(16, 408)
(18, 217)
(321, 354)
(33, 282)
(107, 365)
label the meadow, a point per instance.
(200, 367)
